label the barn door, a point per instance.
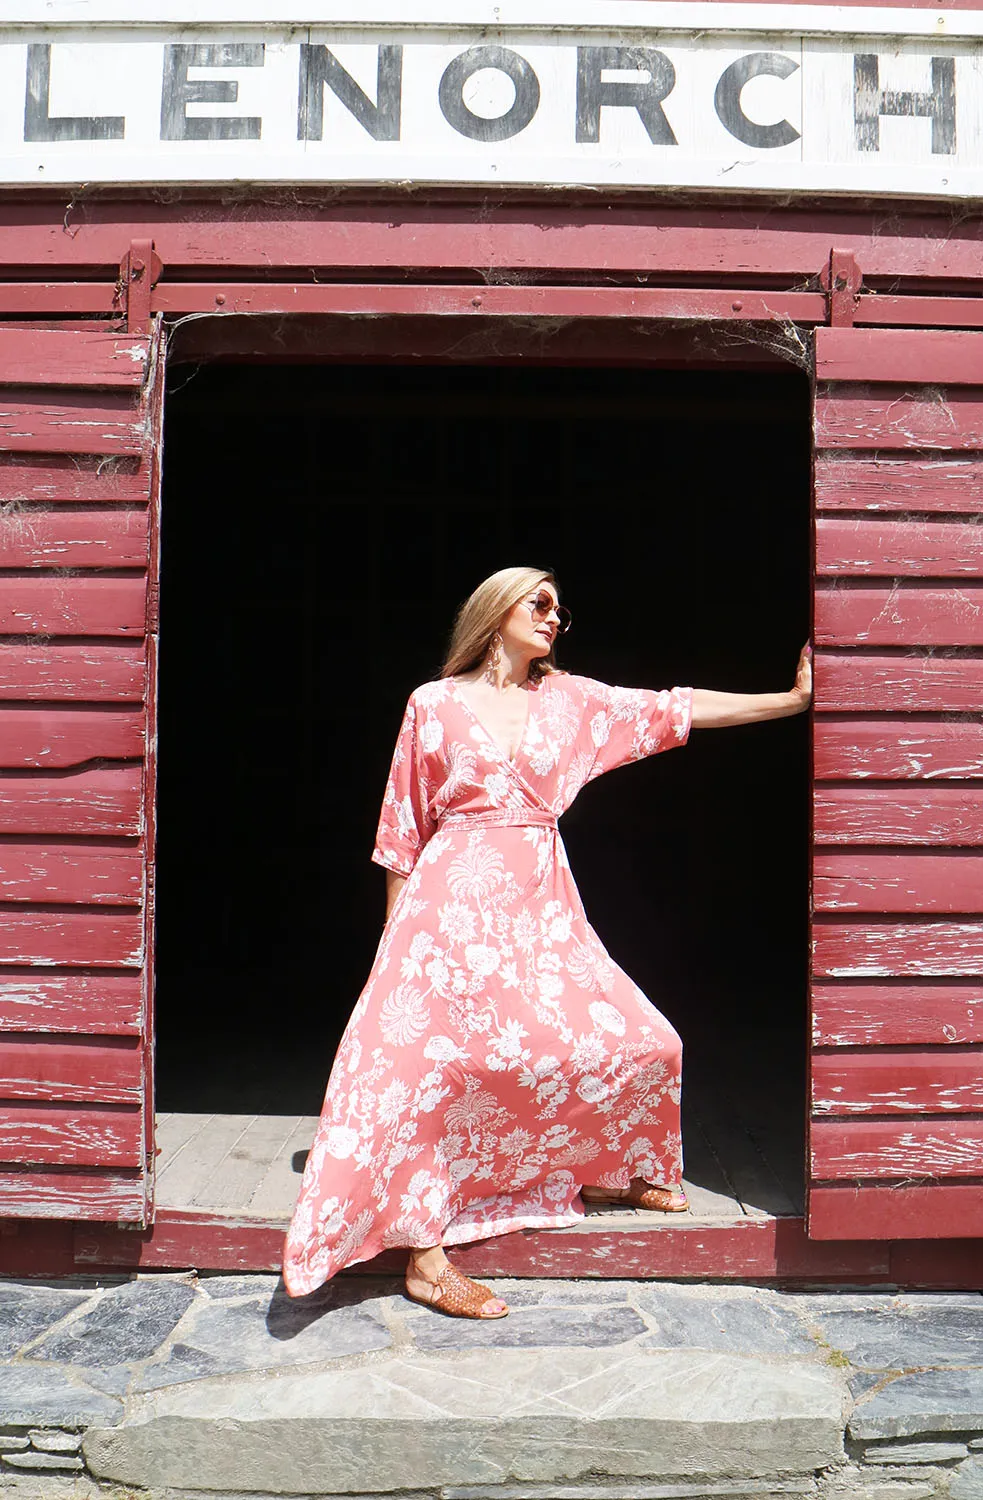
(80, 425)
(897, 1065)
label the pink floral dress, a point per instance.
(497, 1058)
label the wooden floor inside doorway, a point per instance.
(742, 1161)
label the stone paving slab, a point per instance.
(175, 1387)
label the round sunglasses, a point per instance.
(542, 607)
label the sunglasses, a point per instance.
(542, 607)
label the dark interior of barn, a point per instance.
(321, 524)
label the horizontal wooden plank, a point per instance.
(898, 1015)
(900, 614)
(75, 357)
(97, 1004)
(871, 880)
(39, 299)
(55, 738)
(898, 814)
(887, 1148)
(890, 417)
(896, 1211)
(72, 605)
(70, 873)
(107, 1070)
(888, 747)
(888, 547)
(80, 1135)
(86, 936)
(112, 1194)
(104, 673)
(893, 684)
(872, 949)
(92, 422)
(748, 1249)
(47, 536)
(881, 310)
(917, 356)
(71, 479)
(103, 801)
(402, 299)
(886, 1082)
(917, 483)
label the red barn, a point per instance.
(304, 330)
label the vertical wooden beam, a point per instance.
(139, 273)
(841, 281)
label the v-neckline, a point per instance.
(509, 760)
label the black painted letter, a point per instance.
(319, 68)
(594, 92)
(178, 92)
(870, 102)
(476, 127)
(38, 124)
(730, 111)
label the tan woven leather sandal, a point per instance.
(659, 1199)
(457, 1295)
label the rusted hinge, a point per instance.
(139, 272)
(841, 280)
(153, 608)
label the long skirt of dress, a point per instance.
(497, 1059)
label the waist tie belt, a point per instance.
(499, 818)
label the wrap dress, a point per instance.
(497, 1058)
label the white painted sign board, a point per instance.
(666, 104)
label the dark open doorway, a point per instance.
(320, 526)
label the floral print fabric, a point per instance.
(498, 1058)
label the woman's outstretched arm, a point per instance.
(713, 710)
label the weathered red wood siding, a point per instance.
(79, 457)
(897, 1072)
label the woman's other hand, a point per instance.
(802, 691)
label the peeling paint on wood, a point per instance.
(880, 418)
(81, 1135)
(899, 814)
(865, 880)
(901, 1014)
(46, 536)
(71, 873)
(882, 1081)
(103, 606)
(902, 614)
(897, 747)
(51, 357)
(867, 949)
(884, 1148)
(107, 1070)
(86, 673)
(104, 801)
(118, 1195)
(888, 483)
(83, 936)
(871, 683)
(56, 738)
(852, 547)
(97, 1003)
(73, 479)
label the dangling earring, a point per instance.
(494, 660)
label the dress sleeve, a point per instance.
(627, 724)
(405, 823)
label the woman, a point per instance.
(499, 1067)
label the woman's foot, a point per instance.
(641, 1194)
(432, 1280)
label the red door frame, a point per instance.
(793, 268)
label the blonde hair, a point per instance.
(482, 614)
